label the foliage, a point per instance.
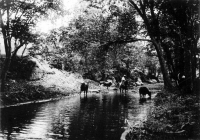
(21, 91)
(17, 19)
(172, 27)
(98, 37)
(21, 68)
(96, 26)
(79, 46)
(182, 39)
(171, 117)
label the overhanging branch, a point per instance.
(108, 44)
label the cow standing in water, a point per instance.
(106, 83)
(84, 88)
(143, 91)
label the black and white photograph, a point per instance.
(99, 70)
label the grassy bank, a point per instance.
(172, 116)
(23, 91)
(51, 86)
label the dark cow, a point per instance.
(107, 84)
(84, 88)
(143, 91)
(123, 86)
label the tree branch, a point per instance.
(136, 7)
(106, 45)
(143, 15)
(17, 48)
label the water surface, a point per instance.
(99, 116)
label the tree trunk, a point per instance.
(24, 51)
(14, 54)
(166, 78)
(194, 65)
(154, 33)
(7, 61)
(7, 44)
(4, 73)
(187, 71)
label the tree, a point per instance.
(96, 26)
(173, 29)
(146, 10)
(102, 28)
(17, 18)
(184, 38)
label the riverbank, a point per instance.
(55, 85)
(171, 116)
(145, 105)
(32, 79)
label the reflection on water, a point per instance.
(97, 116)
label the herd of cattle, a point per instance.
(123, 87)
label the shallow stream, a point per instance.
(99, 116)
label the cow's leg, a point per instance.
(122, 90)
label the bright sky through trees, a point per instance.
(46, 25)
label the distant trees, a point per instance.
(17, 19)
(96, 41)
(99, 24)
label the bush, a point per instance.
(172, 117)
(21, 68)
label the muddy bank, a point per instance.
(171, 116)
